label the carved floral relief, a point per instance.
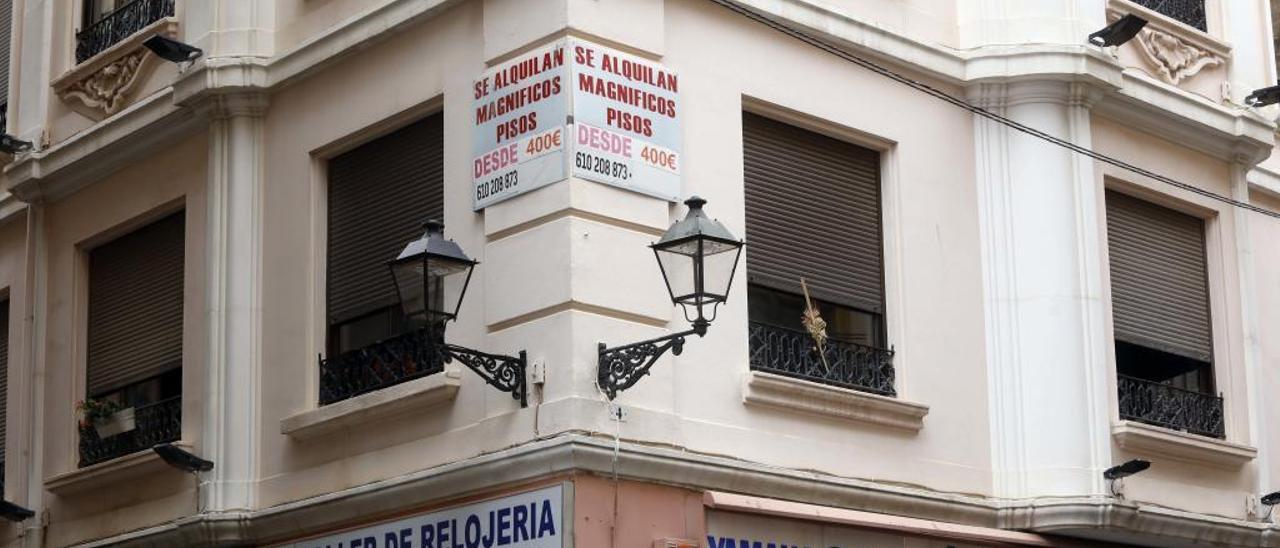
(107, 89)
(1174, 59)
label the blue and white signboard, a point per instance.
(528, 520)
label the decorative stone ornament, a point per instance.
(1173, 58)
(108, 82)
(107, 89)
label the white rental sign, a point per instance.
(625, 128)
(520, 110)
(528, 520)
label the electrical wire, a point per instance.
(1013, 124)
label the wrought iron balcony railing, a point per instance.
(1170, 407)
(385, 363)
(120, 24)
(1189, 12)
(792, 353)
(159, 422)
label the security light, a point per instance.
(13, 512)
(1263, 97)
(1127, 469)
(1271, 499)
(172, 50)
(13, 145)
(1119, 32)
(182, 460)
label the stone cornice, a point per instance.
(134, 133)
(568, 454)
(1235, 134)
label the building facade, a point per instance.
(1036, 259)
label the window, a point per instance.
(1188, 12)
(1160, 310)
(813, 213)
(379, 195)
(105, 23)
(4, 382)
(135, 336)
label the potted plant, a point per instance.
(107, 417)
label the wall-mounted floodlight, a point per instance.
(13, 512)
(1270, 499)
(1116, 473)
(1263, 97)
(182, 460)
(13, 145)
(1127, 469)
(172, 50)
(1119, 32)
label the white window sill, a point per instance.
(108, 473)
(780, 392)
(380, 404)
(1162, 442)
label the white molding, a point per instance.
(570, 453)
(112, 472)
(1265, 180)
(10, 207)
(1162, 442)
(779, 392)
(1142, 103)
(357, 412)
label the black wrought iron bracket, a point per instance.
(621, 367)
(506, 373)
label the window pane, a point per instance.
(782, 309)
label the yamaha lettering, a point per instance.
(529, 520)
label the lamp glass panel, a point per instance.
(718, 264)
(446, 285)
(677, 264)
(408, 277)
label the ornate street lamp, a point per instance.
(430, 284)
(698, 257)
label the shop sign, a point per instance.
(528, 520)
(624, 129)
(735, 530)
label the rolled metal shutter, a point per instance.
(379, 195)
(6, 31)
(813, 210)
(4, 376)
(135, 305)
(1159, 280)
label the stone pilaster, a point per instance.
(234, 277)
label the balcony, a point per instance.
(1170, 407)
(120, 24)
(792, 353)
(380, 365)
(159, 422)
(1187, 12)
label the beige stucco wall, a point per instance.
(1266, 258)
(13, 276)
(553, 287)
(169, 181)
(1186, 485)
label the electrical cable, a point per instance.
(1013, 124)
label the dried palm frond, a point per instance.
(815, 325)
